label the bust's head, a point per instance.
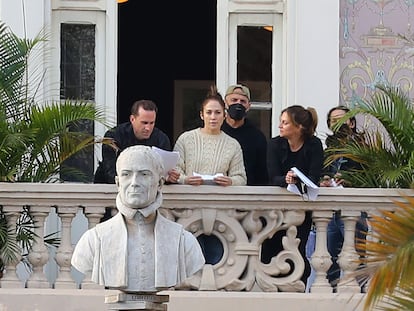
(139, 176)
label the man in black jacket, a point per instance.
(140, 130)
(252, 141)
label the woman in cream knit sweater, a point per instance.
(208, 150)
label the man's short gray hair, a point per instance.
(142, 152)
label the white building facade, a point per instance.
(304, 48)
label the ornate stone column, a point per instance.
(348, 258)
(39, 254)
(65, 250)
(10, 278)
(321, 259)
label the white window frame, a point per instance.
(230, 15)
(105, 60)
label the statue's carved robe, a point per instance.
(103, 251)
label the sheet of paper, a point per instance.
(312, 190)
(293, 188)
(170, 158)
(208, 179)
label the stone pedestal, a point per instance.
(137, 301)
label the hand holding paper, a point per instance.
(312, 189)
(208, 179)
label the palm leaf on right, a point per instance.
(389, 261)
(387, 156)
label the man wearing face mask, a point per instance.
(251, 139)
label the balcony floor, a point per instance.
(79, 300)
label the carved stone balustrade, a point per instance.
(240, 218)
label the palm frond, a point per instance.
(52, 239)
(25, 229)
(388, 149)
(54, 143)
(400, 300)
(15, 97)
(390, 256)
(9, 247)
(35, 137)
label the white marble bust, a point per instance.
(138, 249)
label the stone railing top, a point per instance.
(182, 196)
(241, 217)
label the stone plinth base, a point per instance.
(136, 301)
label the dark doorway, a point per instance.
(160, 43)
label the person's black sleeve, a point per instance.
(105, 174)
(165, 142)
(316, 161)
(276, 174)
(262, 177)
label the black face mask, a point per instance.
(236, 111)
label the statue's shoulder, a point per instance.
(108, 226)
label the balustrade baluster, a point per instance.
(348, 258)
(10, 278)
(321, 259)
(65, 250)
(241, 217)
(39, 254)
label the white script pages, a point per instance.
(169, 158)
(208, 179)
(312, 190)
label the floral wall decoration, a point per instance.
(376, 47)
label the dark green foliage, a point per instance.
(387, 155)
(35, 137)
